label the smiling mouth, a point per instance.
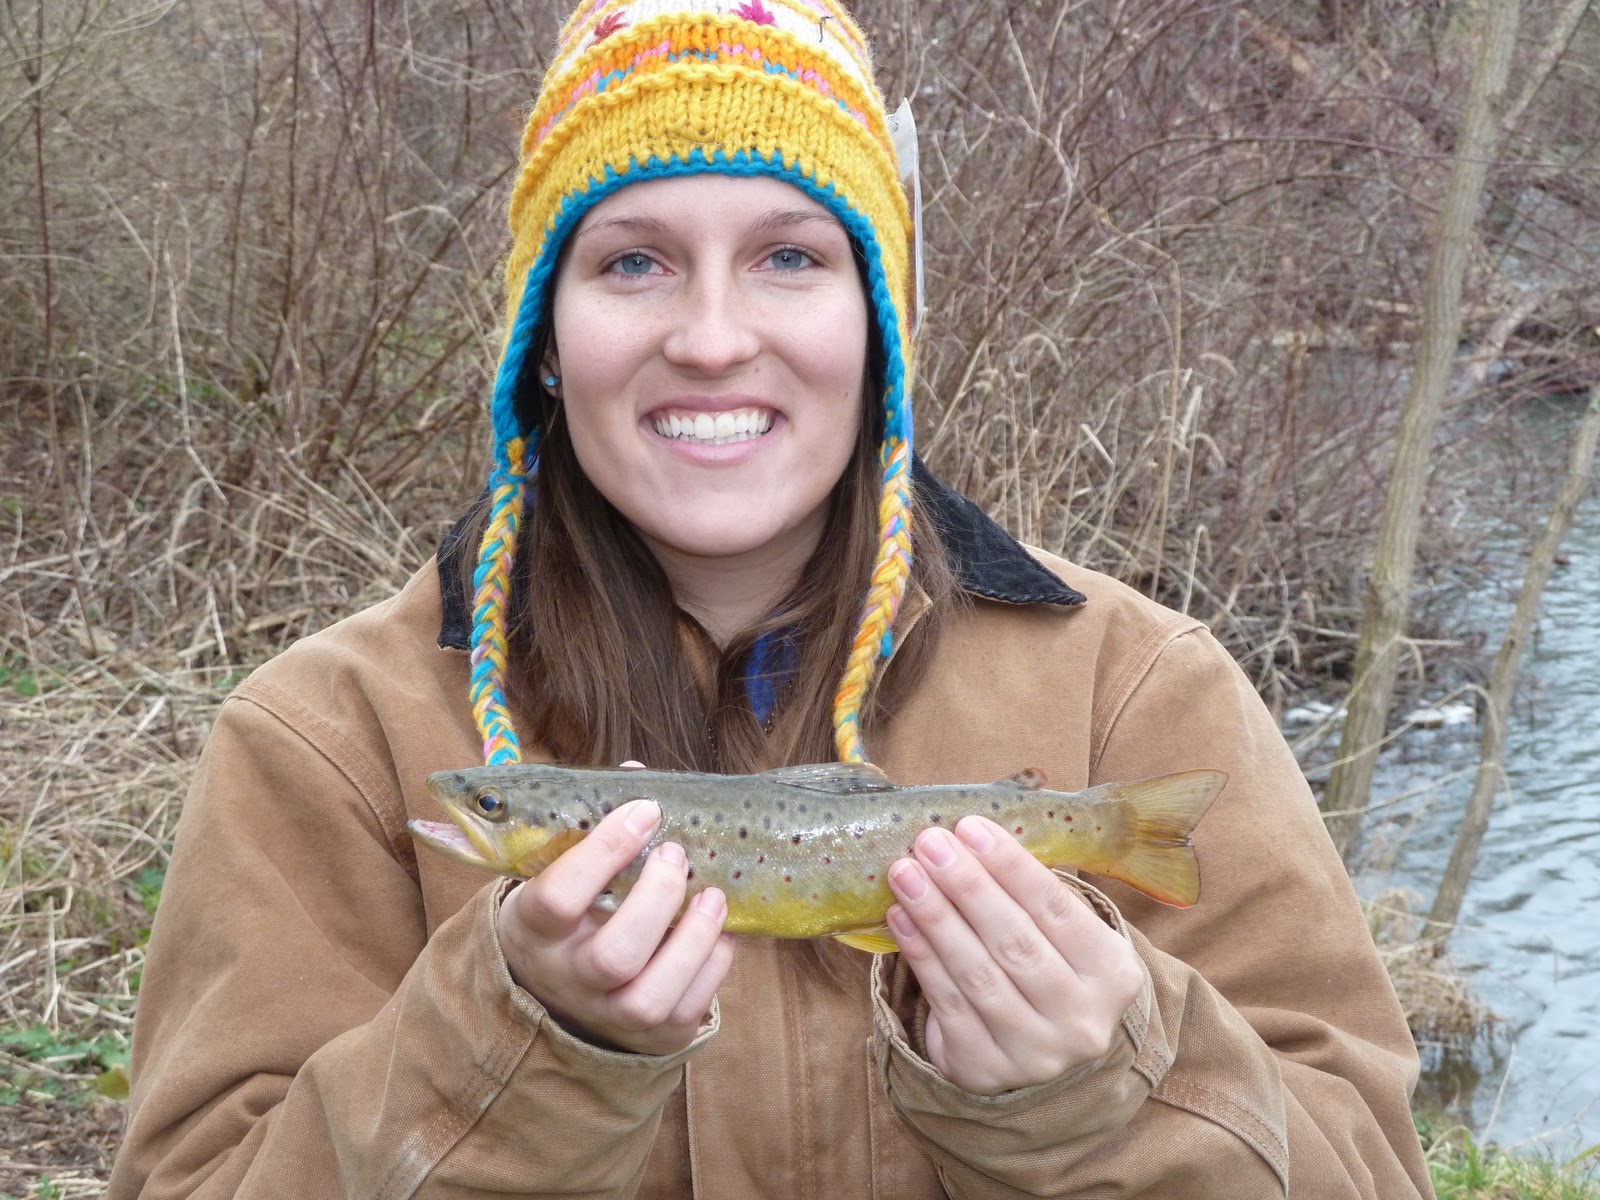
(720, 429)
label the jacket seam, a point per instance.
(347, 762)
(1220, 1109)
(1127, 681)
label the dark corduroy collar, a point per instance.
(987, 560)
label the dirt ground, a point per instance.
(53, 1149)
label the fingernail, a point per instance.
(901, 925)
(974, 831)
(938, 847)
(711, 903)
(643, 816)
(907, 880)
(672, 854)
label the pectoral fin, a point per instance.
(875, 940)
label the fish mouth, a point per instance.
(449, 839)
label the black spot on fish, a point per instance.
(781, 806)
(766, 822)
(800, 808)
(744, 832)
(583, 823)
(554, 816)
(935, 818)
(690, 875)
(995, 805)
(695, 820)
(605, 807)
(859, 831)
(895, 818)
(827, 816)
(761, 858)
(747, 803)
(716, 818)
(534, 785)
(795, 839)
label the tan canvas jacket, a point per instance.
(326, 1013)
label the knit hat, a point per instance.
(652, 89)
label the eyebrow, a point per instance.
(774, 218)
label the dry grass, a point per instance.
(248, 255)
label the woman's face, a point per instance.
(711, 338)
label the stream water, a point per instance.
(1530, 926)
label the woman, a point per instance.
(704, 502)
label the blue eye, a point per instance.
(633, 264)
(789, 259)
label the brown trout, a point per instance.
(804, 851)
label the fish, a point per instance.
(804, 851)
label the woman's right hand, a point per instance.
(629, 979)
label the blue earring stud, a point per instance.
(551, 381)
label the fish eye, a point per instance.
(491, 804)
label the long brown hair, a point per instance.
(605, 667)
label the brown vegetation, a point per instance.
(248, 257)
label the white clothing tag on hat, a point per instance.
(903, 130)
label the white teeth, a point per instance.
(718, 430)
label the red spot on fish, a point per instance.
(711, 854)
(761, 858)
(788, 878)
(813, 895)
(870, 878)
(736, 874)
(827, 858)
(1068, 817)
(1051, 814)
(1019, 828)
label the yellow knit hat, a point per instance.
(652, 89)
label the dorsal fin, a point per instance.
(1029, 779)
(837, 778)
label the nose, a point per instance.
(714, 328)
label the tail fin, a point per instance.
(1158, 858)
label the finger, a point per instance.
(1005, 934)
(952, 1019)
(623, 945)
(656, 995)
(1090, 947)
(563, 892)
(967, 977)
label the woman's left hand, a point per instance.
(1023, 980)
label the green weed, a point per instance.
(61, 1063)
(1463, 1169)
